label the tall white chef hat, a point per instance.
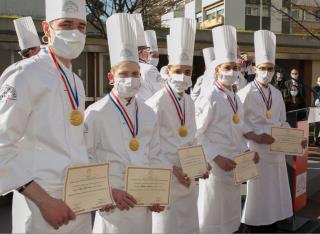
(181, 41)
(208, 55)
(225, 44)
(121, 39)
(264, 47)
(138, 28)
(151, 39)
(57, 9)
(26, 32)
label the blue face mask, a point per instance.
(293, 93)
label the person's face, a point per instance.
(318, 80)
(125, 70)
(294, 73)
(294, 88)
(266, 67)
(180, 69)
(62, 25)
(225, 67)
(143, 54)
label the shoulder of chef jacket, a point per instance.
(255, 109)
(151, 81)
(28, 96)
(107, 138)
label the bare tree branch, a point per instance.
(296, 21)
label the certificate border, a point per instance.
(279, 151)
(204, 157)
(148, 168)
(234, 173)
(86, 166)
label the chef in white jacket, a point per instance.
(268, 196)
(220, 129)
(123, 130)
(28, 38)
(208, 56)
(41, 130)
(151, 80)
(29, 44)
(176, 116)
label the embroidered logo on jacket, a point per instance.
(7, 93)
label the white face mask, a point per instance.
(264, 77)
(154, 61)
(180, 82)
(127, 87)
(295, 76)
(68, 44)
(228, 77)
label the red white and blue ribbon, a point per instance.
(233, 103)
(134, 129)
(181, 113)
(72, 94)
(267, 100)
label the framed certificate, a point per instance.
(287, 140)
(87, 188)
(193, 161)
(246, 169)
(148, 185)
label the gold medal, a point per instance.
(269, 114)
(236, 118)
(183, 131)
(134, 144)
(76, 118)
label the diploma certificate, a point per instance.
(193, 161)
(149, 186)
(87, 188)
(287, 140)
(246, 168)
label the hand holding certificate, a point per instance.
(87, 188)
(193, 161)
(149, 186)
(246, 167)
(287, 140)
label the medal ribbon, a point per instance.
(234, 103)
(181, 114)
(133, 128)
(73, 96)
(267, 101)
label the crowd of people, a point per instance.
(145, 119)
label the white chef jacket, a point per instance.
(37, 141)
(181, 216)
(268, 197)
(195, 92)
(151, 81)
(219, 202)
(107, 138)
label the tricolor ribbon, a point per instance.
(134, 129)
(73, 95)
(181, 114)
(233, 103)
(267, 101)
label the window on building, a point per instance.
(199, 17)
(220, 12)
(210, 14)
(252, 10)
(308, 17)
